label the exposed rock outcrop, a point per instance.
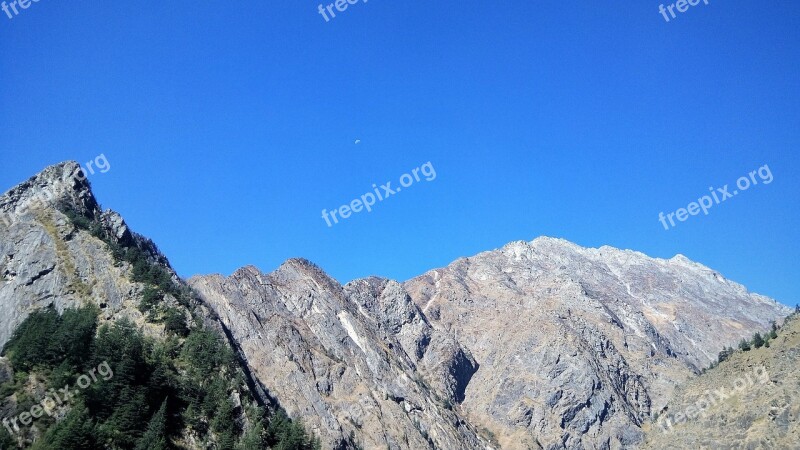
(349, 360)
(44, 259)
(577, 347)
(538, 345)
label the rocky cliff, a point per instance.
(45, 259)
(58, 248)
(358, 360)
(536, 345)
(577, 347)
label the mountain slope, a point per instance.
(546, 344)
(81, 292)
(751, 400)
(45, 259)
(356, 360)
(577, 347)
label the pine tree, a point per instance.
(6, 441)
(190, 379)
(72, 339)
(75, 432)
(223, 417)
(774, 331)
(758, 341)
(725, 354)
(126, 424)
(744, 345)
(254, 438)
(175, 322)
(226, 441)
(30, 341)
(155, 436)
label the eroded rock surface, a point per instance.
(539, 344)
(577, 346)
(45, 259)
(357, 360)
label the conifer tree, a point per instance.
(155, 436)
(744, 345)
(725, 354)
(254, 438)
(758, 341)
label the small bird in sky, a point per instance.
(358, 141)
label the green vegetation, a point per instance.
(46, 339)
(744, 345)
(158, 390)
(144, 269)
(5, 439)
(725, 354)
(161, 391)
(156, 277)
(757, 341)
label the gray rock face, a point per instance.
(577, 347)
(352, 360)
(61, 183)
(439, 358)
(536, 345)
(45, 260)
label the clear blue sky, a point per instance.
(229, 126)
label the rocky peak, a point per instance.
(299, 269)
(553, 324)
(542, 343)
(63, 183)
(55, 249)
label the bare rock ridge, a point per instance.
(541, 344)
(578, 347)
(43, 260)
(351, 360)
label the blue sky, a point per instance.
(230, 126)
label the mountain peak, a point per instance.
(61, 184)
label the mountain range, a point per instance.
(536, 345)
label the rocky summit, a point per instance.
(536, 345)
(46, 260)
(578, 347)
